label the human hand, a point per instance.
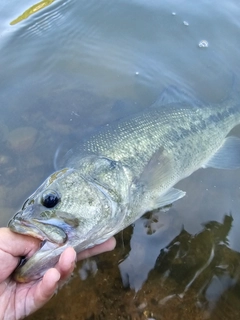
(17, 300)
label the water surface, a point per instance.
(73, 66)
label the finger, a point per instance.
(49, 283)
(17, 244)
(66, 263)
(8, 264)
(46, 287)
(103, 247)
(12, 246)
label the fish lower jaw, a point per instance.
(35, 267)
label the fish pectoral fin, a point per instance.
(150, 184)
(157, 170)
(169, 197)
(227, 156)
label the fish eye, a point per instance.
(50, 199)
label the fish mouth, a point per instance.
(33, 268)
(54, 232)
(39, 230)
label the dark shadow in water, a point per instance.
(194, 277)
(198, 268)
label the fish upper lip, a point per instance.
(29, 228)
(33, 228)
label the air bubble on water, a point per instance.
(185, 23)
(136, 73)
(173, 13)
(203, 44)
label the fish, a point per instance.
(123, 170)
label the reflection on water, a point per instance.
(199, 268)
(77, 65)
(189, 258)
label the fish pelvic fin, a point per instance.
(169, 197)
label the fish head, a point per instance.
(40, 215)
(78, 208)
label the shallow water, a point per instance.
(76, 65)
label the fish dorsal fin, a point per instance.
(172, 94)
(158, 169)
(227, 156)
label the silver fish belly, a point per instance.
(116, 175)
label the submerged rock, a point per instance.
(4, 160)
(21, 139)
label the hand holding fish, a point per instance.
(17, 300)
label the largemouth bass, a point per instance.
(123, 171)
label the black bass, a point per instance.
(121, 172)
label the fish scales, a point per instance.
(179, 130)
